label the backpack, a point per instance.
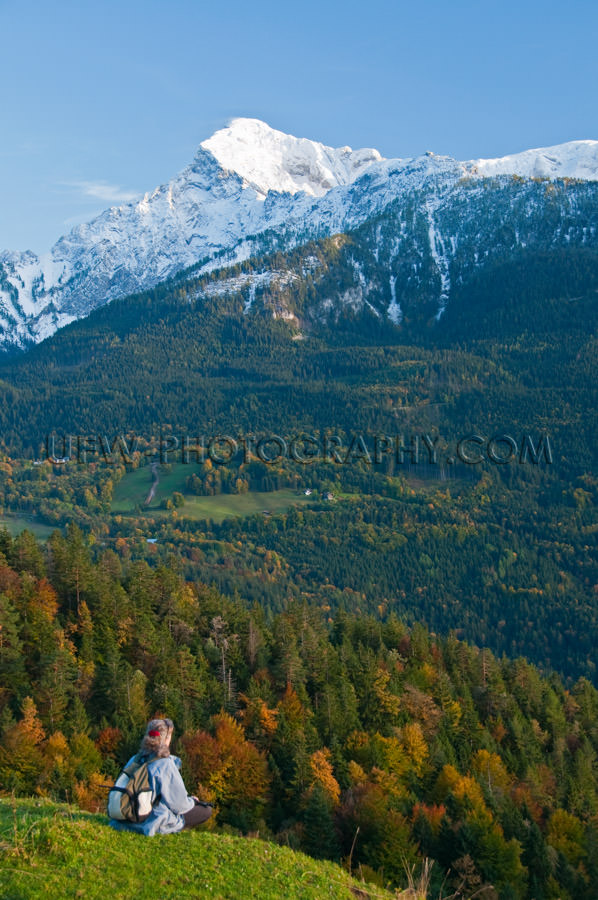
(131, 798)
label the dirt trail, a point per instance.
(155, 483)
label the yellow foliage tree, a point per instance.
(323, 774)
(389, 782)
(44, 602)
(491, 769)
(356, 774)
(566, 834)
(292, 708)
(30, 728)
(91, 794)
(388, 702)
(258, 719)
(415, 745)
(464, 788)
(393, 754)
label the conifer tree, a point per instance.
(319, 834)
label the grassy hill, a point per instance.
(51, 850)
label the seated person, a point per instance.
(172, 808)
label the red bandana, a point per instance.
(154, 734)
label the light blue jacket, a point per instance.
(167, 814)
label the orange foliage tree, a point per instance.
(21, 759)
(228, 770)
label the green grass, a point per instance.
(50, 850)
(133, 488)
(16, 524)
(225, 506)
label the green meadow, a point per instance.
(131, 492)
(50, 851)
(15, 524)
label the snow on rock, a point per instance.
(438, 251)
(246, 181)
(254, 280)
(394, 311)
(270, 160)
(575, 159)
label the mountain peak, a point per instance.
(574, 159)
(248, 180)
(270, 160)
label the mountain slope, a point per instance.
(251, 188)
(402, 265)
(515, 351)
(516, 354)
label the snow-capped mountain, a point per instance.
(575, 159)
(269, 160)
(251, 188)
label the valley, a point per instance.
(378, 656)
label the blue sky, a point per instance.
(103, 101)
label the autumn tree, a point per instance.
(229, 770)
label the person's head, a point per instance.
(157, 737)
